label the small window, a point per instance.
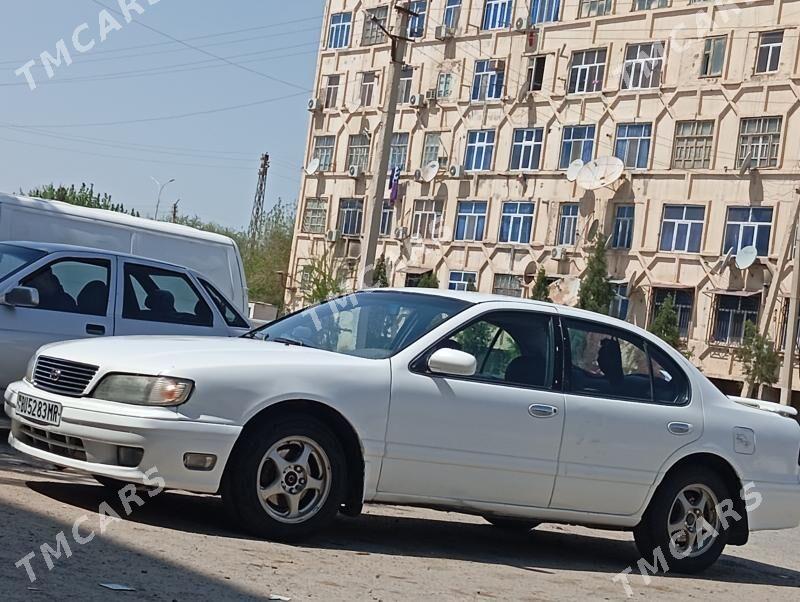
(769, 52)
(713, 56)
(76, 286)
(536, 65)
(339, 31)
(158, 295)
(231, 316)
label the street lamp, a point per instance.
(161, 188)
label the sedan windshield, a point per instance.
(14, 258)
(370, 324)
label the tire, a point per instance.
(704, 491)
(286, 480)
(512, 524)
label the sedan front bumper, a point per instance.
(92, 432)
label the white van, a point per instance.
(213, 255)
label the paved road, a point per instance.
(180, 547)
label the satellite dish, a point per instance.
(313, 166)
(720, 265)
(746, 257)
(631, 284)
(530, 272)
(747, 164)
(600, 173)
(574, 168)
(592, 230)
(429, 171)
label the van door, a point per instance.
(153, 299)
(76, 300)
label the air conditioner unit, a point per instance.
(456, 171)
(418, 175)
(401, 233)
(417, 100)
(558, 253)
(332, 235)
(355, 171)
(431, 94)
(314, 104)
(522, 24)
(443, 33)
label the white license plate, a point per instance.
(38, 410)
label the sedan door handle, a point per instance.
(679, 428)
(538, 410)
(95, 329)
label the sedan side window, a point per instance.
(76, 286)
(158, 295)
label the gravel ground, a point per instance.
(180, 547)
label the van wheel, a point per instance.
(512, 524)
(287, 479)
(682, 522)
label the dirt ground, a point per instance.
(181, 547)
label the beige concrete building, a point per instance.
(505, 94)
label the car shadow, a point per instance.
(539, 551)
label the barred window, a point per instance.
(595, 8)
(323, 150)
(431, 149)
(398, 151)
(507, 284)
(358, 151)
(759, 139)
(315, 215)
(733, 312)
(694, 142)
(682, 299)
(375, 20)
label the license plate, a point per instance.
(38, 410)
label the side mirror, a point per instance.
(21, 296)
(452, 362)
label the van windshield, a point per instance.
(13, 258)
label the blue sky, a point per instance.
(45, 134)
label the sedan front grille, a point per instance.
(62, 376)
(62, 445)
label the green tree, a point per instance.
(379, 276)
(596, 292)
(541, 289)
(428, 280)
(84, 196)
(321, 279)
(665, 323)
(760, 360)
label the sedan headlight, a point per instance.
(144, 390)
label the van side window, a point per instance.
(76, 286)
(608, 362)
(158, 295)
(231, 316)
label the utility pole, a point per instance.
(175, 211)
(787, 370)
(377, 189)
(257, 217)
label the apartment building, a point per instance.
(698, 99)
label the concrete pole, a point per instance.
(787, 370)
(377, 189)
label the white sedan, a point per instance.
(519, 411)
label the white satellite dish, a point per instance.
(746, 257)
(529, 275)
(429, 171)
(574, 168)
(747, 164)
(313, 166)
(631, 284)
(600, 173)
(592, 232)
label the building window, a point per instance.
(633, 144)
(649, 4)
(694, 142)
(430, 149)
(323, 150)
(684, 305)
(416, 24)
(358, 151)
(463, 281)
(508, 285)
(760, 140)
(619, 302)
(733, 311)
(452, 11)
(545, 11)
(516, 222)
(387, 218)
(567, 224)
(497, 14)
(315, 216)
(487, 84)
(587, 71)
(785, 327)
(535, 79)
(682, 228)
(444, 85)
(746, 227)
(331, 90)
(577, 142)
(339, 33)
(595, 8)
(526, 149)
(769, 52)
(470, 220)
(368, 79)
(427, 220)
(642, 66)
(713, 56)
(406, 81)
(398, 151)
(375, 20)
(480, 149)
(622, 238)
(351, 214)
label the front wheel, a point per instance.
(287, 479)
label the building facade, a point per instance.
(698, 99)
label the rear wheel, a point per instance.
(512, 524)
